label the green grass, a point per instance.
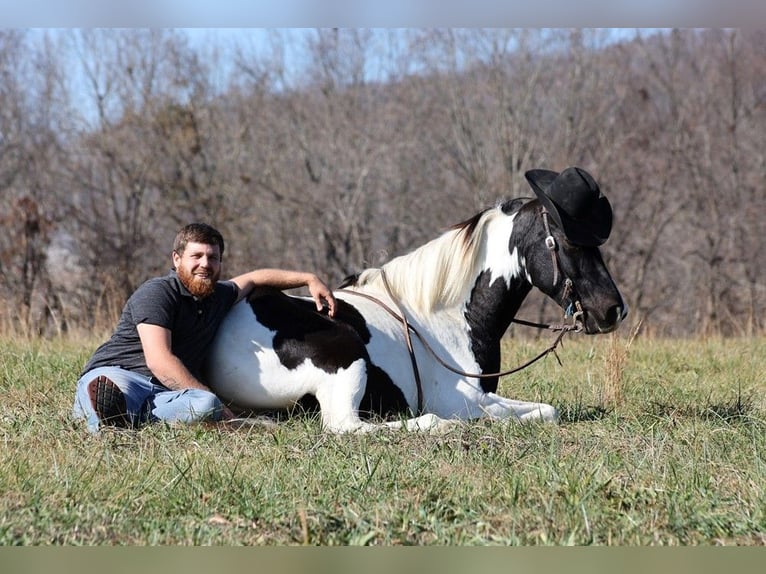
(661, 442)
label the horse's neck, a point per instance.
(492, 305)
(498, 291)
(466, 274)
(487, 314)
(500, 284)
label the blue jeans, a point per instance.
(146, 401)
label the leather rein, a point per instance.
(574, 311)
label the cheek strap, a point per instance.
(550, 243)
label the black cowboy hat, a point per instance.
(575, 203)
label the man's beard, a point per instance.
(198, 286)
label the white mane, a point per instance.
(440, 272)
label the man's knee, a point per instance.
(189, 405)
(204, 403)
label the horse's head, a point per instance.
(560, 252)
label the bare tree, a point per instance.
(31, 124)
(336, 148)
(375, 143)
(146, 165)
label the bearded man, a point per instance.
(150, 368)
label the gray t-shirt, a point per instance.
(164, 301)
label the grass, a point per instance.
(660, 443)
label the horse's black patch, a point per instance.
(489, 313)
(381, 397)
(346, 313)
(302, 332)
(330, 344)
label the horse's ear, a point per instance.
(510, 206)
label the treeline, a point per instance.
(368, 144)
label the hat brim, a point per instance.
(593, 232)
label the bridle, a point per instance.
(574, 310)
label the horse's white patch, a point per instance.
(498, 260)
(523, 265)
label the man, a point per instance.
(150, 367)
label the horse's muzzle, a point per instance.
(595, 323)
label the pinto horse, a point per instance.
(458, 293)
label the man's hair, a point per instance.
(197, 233)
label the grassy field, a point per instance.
(660, 443)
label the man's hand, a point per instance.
(321, 293)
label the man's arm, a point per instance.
(284, 279)
(164, 365)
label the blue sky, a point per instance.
(384, 13)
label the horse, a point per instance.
(458, 293)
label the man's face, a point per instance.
(199, 268)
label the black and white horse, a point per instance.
(458, 293)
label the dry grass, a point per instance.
(616, 360)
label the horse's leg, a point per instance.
(489, 406)
(495, 406)
(429, 422)
(339, 396)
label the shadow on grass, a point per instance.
(579, 413)
(737, 409)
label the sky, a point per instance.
(383, 13)
(240, 20)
